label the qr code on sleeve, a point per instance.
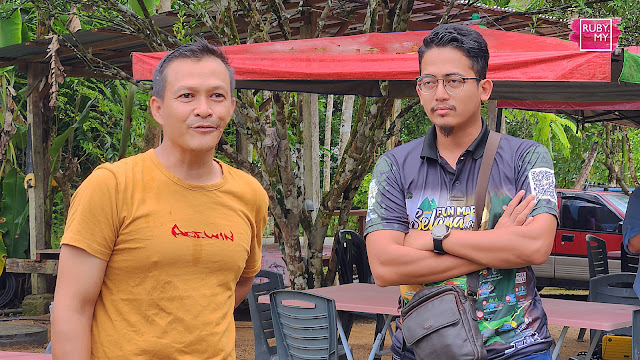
(543, 184)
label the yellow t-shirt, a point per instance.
(175, 251)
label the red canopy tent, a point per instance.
(393, 56)
(528, 71)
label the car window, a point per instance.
(585, 215)
(618, 200)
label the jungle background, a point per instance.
(97, 120)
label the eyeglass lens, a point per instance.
(453, 84)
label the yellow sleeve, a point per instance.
(254, 261)
(92, 222)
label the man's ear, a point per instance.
(155, 104)
(486, 87)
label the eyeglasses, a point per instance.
(453, 84)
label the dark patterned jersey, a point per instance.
(412, 187)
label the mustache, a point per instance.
(450, 107)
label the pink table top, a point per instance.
(371, 298)
(5, 355)
(591, 315)
(614, 254)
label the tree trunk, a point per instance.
(345, 124)
(242, 145)
(492, 114)
(152, 134)
(326, 171)
(632, 168)
(608, 162)
(397, 106)
(586, 167)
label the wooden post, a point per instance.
(37, 110)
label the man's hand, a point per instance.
(517, 211)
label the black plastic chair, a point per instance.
(628, 262)
(261, 314)
(597, 256)
(613, 289)
(351, 251)
(598, 265)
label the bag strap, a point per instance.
(481, 195)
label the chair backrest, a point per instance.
(305, 325)
(628, 262)
(261, 313)
(597, 256)
(614, 289)
(351, 250)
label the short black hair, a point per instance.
(460, 37)
(198, 49)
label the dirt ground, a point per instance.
(360, 340)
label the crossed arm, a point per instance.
(398, 258)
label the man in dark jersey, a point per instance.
(432, 181)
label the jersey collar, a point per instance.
(429, 149)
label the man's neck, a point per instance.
(452, 146)
(195, 168)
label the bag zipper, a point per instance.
(458, 302)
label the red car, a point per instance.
(582, 212)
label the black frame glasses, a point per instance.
(453, 84)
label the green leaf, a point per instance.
(150, 4)
(558, 132)
(13, 215)
(59, 141)
(3, 255)
(11, 29)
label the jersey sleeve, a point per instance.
(387, 205)
(254, 261)
(631, 224)
(92, 222)
(536, 176)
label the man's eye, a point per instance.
(454, 81)
(428, 82)
(186, 96)
(218, 96)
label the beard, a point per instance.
(445, 130)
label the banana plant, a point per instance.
(14, 217)
(55, 150)
(127, 95)
(548, 129)
(10, 27)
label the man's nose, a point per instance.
(204, 107)
(441, 93)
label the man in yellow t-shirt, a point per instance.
(158, 248)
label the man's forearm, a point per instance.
(243, 286)
(634, 244)
(508, 247)
(70, 335)
(401, 265)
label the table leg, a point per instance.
(380, 336)
(594, 342)
(343, 337)
(556, 349)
